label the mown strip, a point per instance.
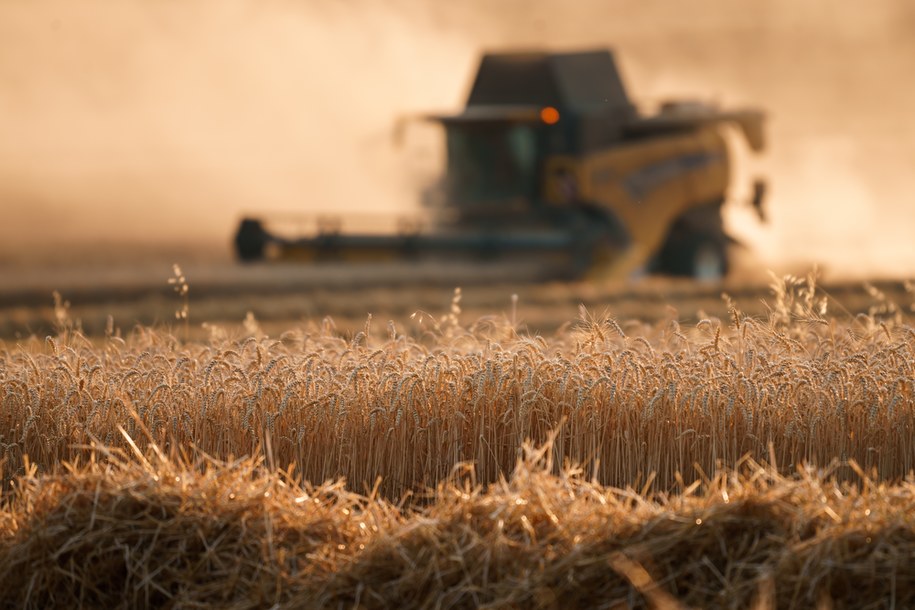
(153, 531)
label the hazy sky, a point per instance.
(163, 120)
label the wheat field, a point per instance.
(380, 419)
(628, 401)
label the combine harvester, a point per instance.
(551, 169)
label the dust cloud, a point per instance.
(155, 123)
(147, 122)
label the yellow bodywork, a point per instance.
(646, 184)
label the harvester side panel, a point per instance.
(648, 184)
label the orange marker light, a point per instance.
(549, 115)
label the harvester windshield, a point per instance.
(491, 162)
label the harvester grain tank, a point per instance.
(551, 162)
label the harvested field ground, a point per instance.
(164, 533)
(151, 469)
(284, 296)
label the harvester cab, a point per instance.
(551, 161)
(523, 111)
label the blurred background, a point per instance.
(135, 128)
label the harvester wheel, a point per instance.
(703, 257)
(709, 260)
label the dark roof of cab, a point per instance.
(585, 82)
